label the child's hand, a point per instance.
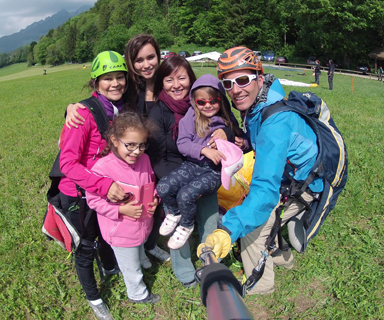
(213, 154)
(131, 209)
(240, 142)
(73, 118)
(217, 134)
(152, 205)
(115, 193)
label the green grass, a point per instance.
(20, 70)
(14, 68)
(339, 277)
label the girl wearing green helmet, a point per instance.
(142, 57)
(80, 150)
(109, 80)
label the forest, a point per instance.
(345, 31)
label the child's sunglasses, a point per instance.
(241, 81)
(202, 102)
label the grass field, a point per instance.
(20, 70)
(339, 277)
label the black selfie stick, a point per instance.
(220, 290)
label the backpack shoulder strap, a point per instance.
(98, 112)
(97, 109)
(297, 189)
(273, 109)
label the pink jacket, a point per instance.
(115, 230)
(80, 150)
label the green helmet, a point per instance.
(107, 61)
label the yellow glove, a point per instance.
(220, 242)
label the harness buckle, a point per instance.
(257, 273)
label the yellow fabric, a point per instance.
(240, 185)
(220, 242)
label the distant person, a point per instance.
(200, 174)
(125, 225)
(317, 72)
(331, 72)
(45, 72)
(380, 74)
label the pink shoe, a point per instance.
(179, 238)
(169, 224)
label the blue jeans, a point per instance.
(207, 217)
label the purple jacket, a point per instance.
(188, 142)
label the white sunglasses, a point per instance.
(241, 81)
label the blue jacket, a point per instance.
(282, 136)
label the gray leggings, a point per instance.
(179, 189)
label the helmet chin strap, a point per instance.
(267, 82)
(262, 94)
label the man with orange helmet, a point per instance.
(283, 136)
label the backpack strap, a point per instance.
(98, 111)
(298, 188)
(85, 216)
(272, 109)
(295, 189)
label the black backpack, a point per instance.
(97, 109)
(331, 163)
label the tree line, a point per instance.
(343, 30)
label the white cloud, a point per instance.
(17, 15)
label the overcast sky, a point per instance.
(18, 14)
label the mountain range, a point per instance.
(37, 29)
